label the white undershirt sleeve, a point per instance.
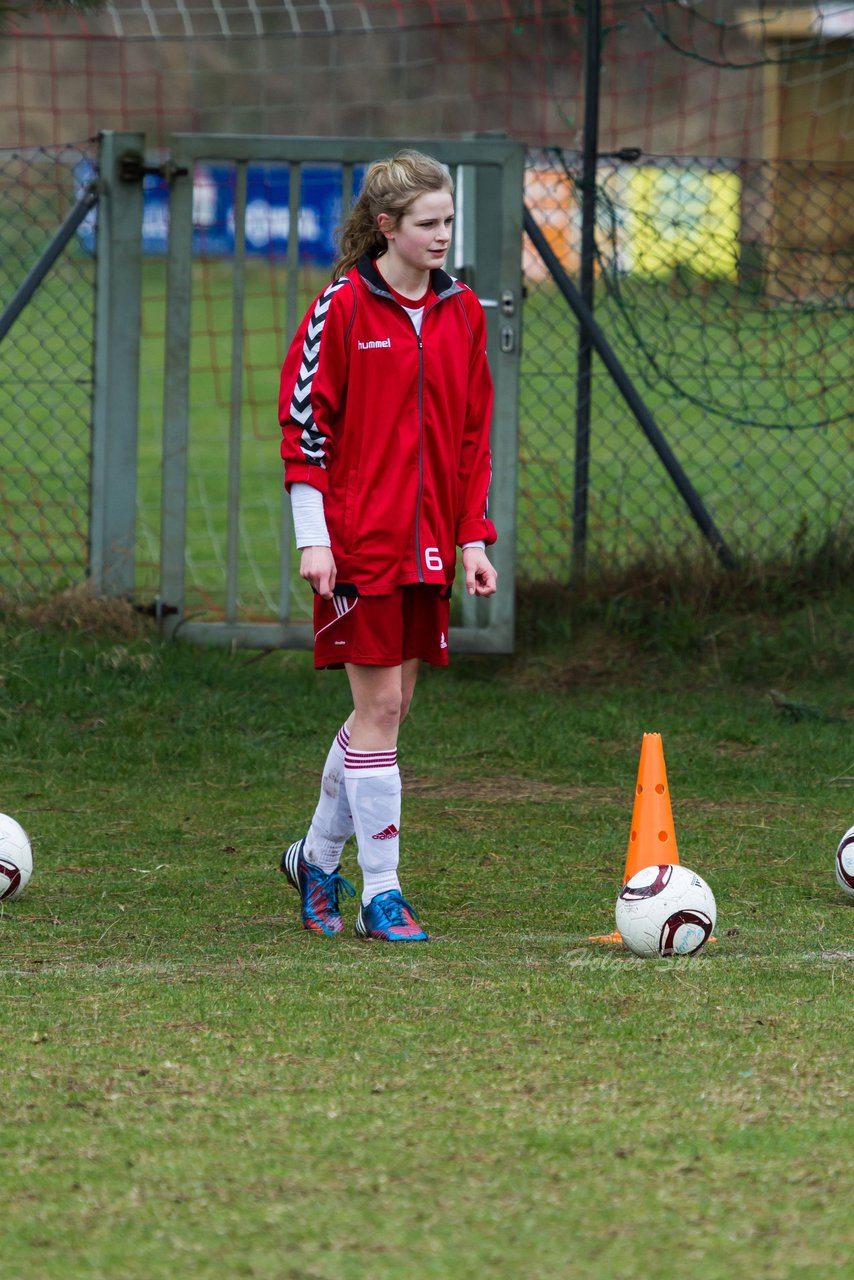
(309, 521)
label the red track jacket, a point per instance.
(393, 429)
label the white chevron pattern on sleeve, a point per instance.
(312, 440)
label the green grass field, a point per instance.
(201, 1089)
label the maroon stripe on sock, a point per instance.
(370, 759)
(343, 737)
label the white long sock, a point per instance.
(332, 824)
(372, 779)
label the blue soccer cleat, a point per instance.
(318, 891)
(389, 918)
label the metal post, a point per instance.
(292, 296)
(235, 431)
(586, 282)
(176, 395)
(112, 520)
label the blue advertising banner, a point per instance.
(268, 214)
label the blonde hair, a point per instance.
(391, 186)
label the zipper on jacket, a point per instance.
(420, 433)
(418, 557)
(420, 452)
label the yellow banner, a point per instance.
(682, 218)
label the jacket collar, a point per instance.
(443, 285)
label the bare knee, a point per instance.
(386, 712)
(381, 698)
(379, 716)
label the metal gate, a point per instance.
(486, 253)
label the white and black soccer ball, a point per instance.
(665, 910)
(845, 863)
(16, 858)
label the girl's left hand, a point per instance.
(481, 578)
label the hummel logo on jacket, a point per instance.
(391, 427)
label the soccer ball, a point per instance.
(665, 910)
(845, 863)
(16, 858)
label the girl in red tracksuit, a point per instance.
(385, 407)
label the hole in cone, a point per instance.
(660, 788)
(662, 835)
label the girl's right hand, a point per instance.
(317, 566)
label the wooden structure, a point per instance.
(806, 207)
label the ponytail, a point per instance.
(391, 186)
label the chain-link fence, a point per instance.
(739, 343)
(723, 253)
(735, 330)
(45, 378)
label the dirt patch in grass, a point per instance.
(510, 790)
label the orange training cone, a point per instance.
(652, 838)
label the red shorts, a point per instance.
(383, 631)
